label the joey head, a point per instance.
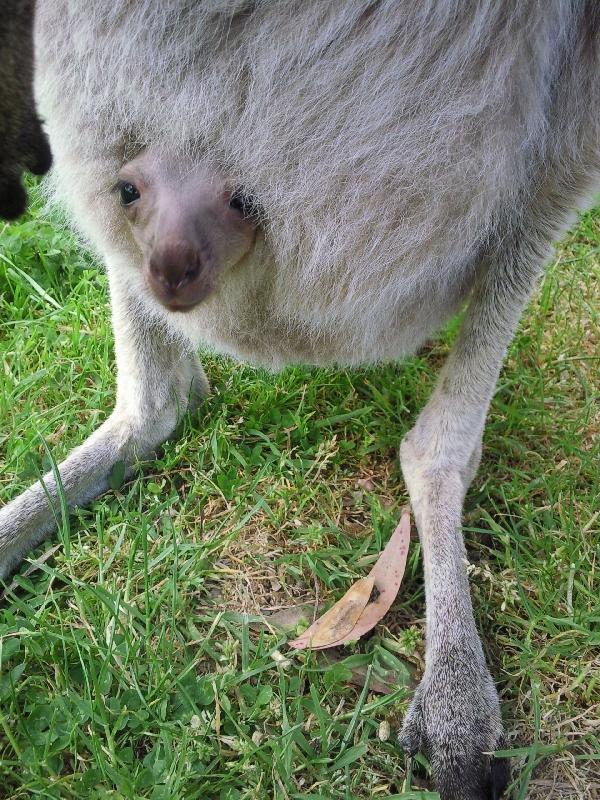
(190, 226)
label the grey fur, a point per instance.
(406, 157)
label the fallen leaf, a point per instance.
(341, 618)
(350, 618)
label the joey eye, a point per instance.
(243, 204)
(129, 194)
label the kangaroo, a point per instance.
(324, 181)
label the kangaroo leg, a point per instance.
(454, 717)
(156, 380)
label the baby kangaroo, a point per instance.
(190, 228)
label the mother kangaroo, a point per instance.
(324, 181)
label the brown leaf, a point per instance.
(380, 587)
(341, 618)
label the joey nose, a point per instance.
(180, 275)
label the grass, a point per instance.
(135, 661)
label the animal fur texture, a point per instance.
(406, 158)
(388, 147)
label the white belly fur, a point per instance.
(376, 199)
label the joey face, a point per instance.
(191, 227)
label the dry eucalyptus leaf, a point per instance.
(350, 618)
(341, 618)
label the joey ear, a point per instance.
(245, 204)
